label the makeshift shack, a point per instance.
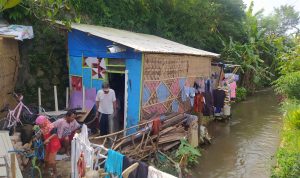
(149, 74)
(9, 57)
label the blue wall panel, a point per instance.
(97, 84)
(80, 43)
(134, 67)
(75, 65)
(87, 77)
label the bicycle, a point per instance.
(13, 116)
(35, 170)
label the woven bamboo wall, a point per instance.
(164, 78)
(9, 60)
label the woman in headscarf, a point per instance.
(51, 141)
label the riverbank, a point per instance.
(288, 154)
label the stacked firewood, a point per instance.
(173, 128)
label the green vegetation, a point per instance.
(287, 85)
(288, 155)
(185, 149)
(241, 94)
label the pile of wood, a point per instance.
(143, 143)
(18, 145)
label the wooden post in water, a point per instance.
(55, 98)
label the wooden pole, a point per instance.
(40, 99)
(13, 165)
(83, 98)
(55, 98)
(67, 97)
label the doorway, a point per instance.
(117, 83)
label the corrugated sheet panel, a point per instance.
(141, 42)
(5, 146)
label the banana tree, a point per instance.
(6, 4)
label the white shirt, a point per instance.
(106, 101)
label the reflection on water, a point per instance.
(244, 146)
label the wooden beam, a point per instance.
(13, 165)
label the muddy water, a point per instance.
(243, 147)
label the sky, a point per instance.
(268, 5)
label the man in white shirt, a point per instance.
(106, 104)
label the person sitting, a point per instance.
(66, 128)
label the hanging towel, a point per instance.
(114, 163)
(140, 171)
(155, 173)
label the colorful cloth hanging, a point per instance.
(114, 163)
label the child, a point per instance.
(51, 141)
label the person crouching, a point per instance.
(66, 128)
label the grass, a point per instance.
(288, 155)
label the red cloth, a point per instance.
(54, 145)
(70, 138)
(81, 166)
(198, 103)
(156, 126)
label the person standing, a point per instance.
(106, 105)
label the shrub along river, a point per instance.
(243, 147)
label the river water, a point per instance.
(243, 147)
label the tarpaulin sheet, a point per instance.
(76, 99)
(146, 95)
(90, 95)
(162, 92)
(20, 32)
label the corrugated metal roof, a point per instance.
(141, 42)
(5, 146)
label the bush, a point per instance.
(186, 149)
(241, 94)
(289, 85)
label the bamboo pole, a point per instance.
(67, 97)
(83, 98)
(55, 98)
(40, 99)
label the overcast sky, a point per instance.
(268, 5)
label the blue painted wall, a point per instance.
(81, 44)
(134, 67)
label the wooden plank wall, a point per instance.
(164, 78)
(9, 61)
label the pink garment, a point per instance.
(64, 128)
(233, 89)
(45, 125)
